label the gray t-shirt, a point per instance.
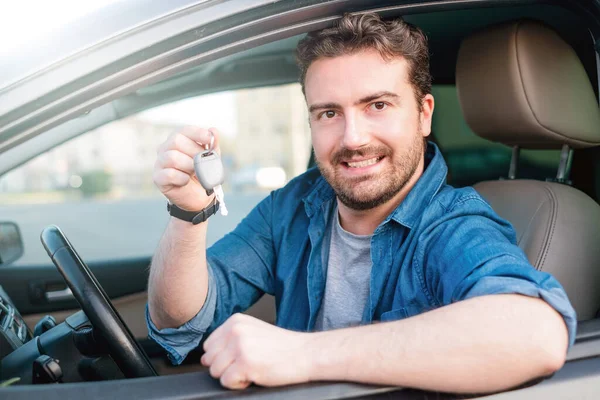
(348, 278)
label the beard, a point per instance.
(371, 190)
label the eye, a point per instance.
(327, 114)
(379, 105)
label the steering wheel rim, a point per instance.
(122, 346)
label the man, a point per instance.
(372, 235)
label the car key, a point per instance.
(209, 171)
(221, 198)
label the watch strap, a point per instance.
(195, 217)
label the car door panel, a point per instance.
(28, 286)
(132, 310)
(130, 307)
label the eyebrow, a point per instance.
(363, 100)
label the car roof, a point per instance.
(445, 30)
(120, 17)
(55, 43)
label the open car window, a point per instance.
(98, 187)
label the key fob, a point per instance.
(209, 170)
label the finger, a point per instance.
(213, 347)
(236, 322)
(176, 159)
(183, 143)
(218, 335)
(220, 363)
(211, 353)
(216, 342)
(234, 377)
(170, 177)
(202, 136)
(217, 135)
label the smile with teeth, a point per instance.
(364, 163)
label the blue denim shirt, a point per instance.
(439, 246)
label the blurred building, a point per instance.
(271, 145)
(125, 150)
(273, 129)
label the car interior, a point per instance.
(516, 89)
(539, 81)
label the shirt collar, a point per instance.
(421, 195)
(321, 193)
(407, 212)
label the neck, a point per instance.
(364, 222)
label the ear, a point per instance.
(426, 114)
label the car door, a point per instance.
(98, 189)
(91, 176)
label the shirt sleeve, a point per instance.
(178, 342)
(243, 263)
(240, 267)
(472, 252)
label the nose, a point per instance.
(355, 132)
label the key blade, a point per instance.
(221, 198)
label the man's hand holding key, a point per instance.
(174, 172)
(178, 283)
(209, 171)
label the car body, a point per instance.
(138, 56)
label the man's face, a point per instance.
(367, 128)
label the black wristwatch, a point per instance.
(195, 217)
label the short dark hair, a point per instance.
(353, 33)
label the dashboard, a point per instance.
(13, 331)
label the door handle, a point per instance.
(59, 295)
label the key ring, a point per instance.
(212, 142)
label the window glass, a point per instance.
(98, 187)
(472, 159)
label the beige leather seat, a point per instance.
(521, 85)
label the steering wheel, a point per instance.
(122, 346)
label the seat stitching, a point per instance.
(530, 222)
(553, 213)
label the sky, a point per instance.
(213, 110)
(24, 20)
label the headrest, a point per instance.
(520, 84)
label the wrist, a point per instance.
(185, 225)
(186, 232)
(196, 207)
(331, 356)
(316, 356)
(194, 217)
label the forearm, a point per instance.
(178, 281)
(484, 344)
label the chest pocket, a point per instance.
(394, 315)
